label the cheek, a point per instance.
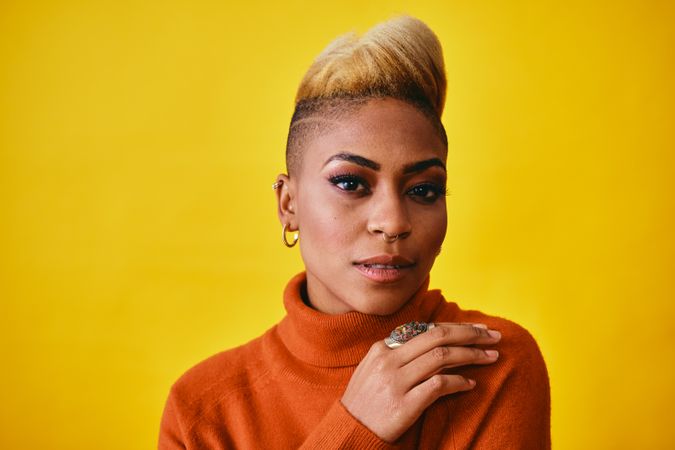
(433, 225)
(327, 223)
(442, 226)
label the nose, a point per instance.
(389, 217)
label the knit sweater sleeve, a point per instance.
(519, 415)
(339, 429)
(170, 432)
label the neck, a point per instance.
(343, 339)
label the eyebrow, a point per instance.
(423, 165)
(356, 159)
(370, 164)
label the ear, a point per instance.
(286, 200)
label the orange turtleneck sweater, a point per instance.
(283, 389)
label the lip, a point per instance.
(397, 267)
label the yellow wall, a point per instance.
(138, 235)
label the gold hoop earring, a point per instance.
(283, 237)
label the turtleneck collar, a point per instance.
(340, 340)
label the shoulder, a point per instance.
(518, 348)
(516, 339)
(225, 374)
(512, 396)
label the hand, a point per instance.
(392, 387)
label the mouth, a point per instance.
(384, 268)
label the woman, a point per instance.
(365, 189)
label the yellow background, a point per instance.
(138, 235)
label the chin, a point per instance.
(381, 300)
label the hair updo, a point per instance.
(400, 58)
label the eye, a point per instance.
(427, 192)
(350, 183)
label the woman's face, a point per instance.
(379, 170)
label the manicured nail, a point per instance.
(491, 353)
(494, 334)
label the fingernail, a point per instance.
(480, 325)
(494, 334)
(472, 382)
(491, 353)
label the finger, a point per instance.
(445, 335)
(439, 358)
(473, 324)
(424, 394)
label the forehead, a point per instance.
(388, 131)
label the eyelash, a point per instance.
(438, 190)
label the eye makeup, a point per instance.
(349, 182)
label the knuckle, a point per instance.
(459, 382)
(397, 412)
(476, 334)
(436, 383)
(387, 389)
(478, 353)
(439, 353)
(378, 347)
(440, 333)
(380, 364)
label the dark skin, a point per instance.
(380, 172)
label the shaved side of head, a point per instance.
(315, 116)
(311, 118)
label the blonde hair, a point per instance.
(400, 58)
(392, 58)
